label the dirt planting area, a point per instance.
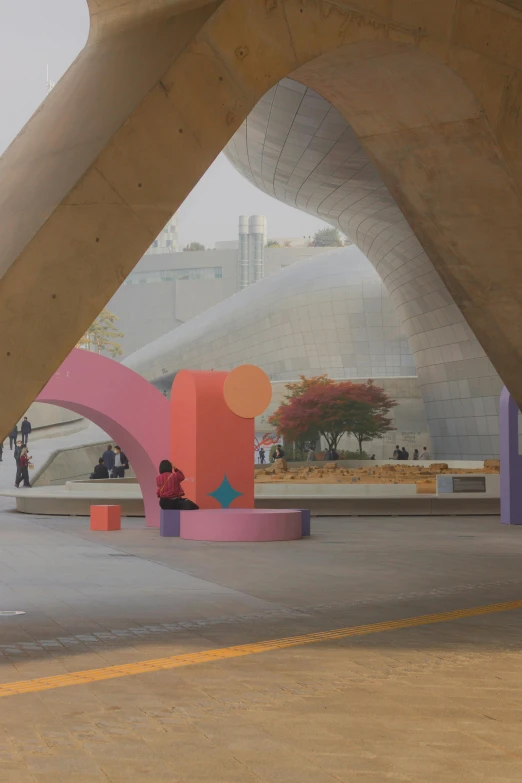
(424, 475)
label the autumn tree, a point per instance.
(373, 423)
(297, 389)
(333, 409)
(103, 335)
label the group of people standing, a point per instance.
(112, 464)
(25, 431)
(401, 453)
(275, 453)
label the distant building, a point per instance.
(167, 241)
(191, 282)
(328, 314)
(251, 249)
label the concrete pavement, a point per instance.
(430, 703)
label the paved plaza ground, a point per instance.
(438, 701)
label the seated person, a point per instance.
(100, 471)
(169, 491)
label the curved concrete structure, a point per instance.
(327, 314)
(433, 91)
(297, 147)
(132, 411)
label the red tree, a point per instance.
(373, 423)
(334, 409)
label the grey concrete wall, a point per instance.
(70, 465)
(50, 421)
(148, 310)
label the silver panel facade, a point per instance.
(295, 146)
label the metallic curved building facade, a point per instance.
(328, 314)
(295, 146)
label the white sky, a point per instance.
(34, 33)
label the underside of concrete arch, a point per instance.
(298, 148)
(433, 91)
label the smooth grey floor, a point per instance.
(428, 704)
(134, 585)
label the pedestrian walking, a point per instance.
(18, 451)
(13, 435)
(23, 468)
(397, 453)
(261, 456)
(424, 453)
(416, 454)
(16, 455)
(404, 454)
(26, 430)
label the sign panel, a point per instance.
(469, 483)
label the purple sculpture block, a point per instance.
(305, 522)
(510, 462)
(169, 523)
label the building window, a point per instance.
(168, 275)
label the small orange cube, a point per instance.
(105, 517)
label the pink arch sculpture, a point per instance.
(132, 411)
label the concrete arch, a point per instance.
(161, 87)
(297, 147)
(127, 407)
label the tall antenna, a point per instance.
(48, 84)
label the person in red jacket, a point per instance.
(23, 468)
(169, 490)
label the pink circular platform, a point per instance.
(241, 524)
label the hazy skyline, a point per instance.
(37, 33)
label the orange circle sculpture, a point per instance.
(247, 391)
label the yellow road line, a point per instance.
(207, 656)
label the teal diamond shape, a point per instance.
(225, 494)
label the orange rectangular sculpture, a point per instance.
(105, 518)
(212, 433)
(212, 445)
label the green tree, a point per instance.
(273, 243)
(102, 336)
(327, 237)
(194, 246)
